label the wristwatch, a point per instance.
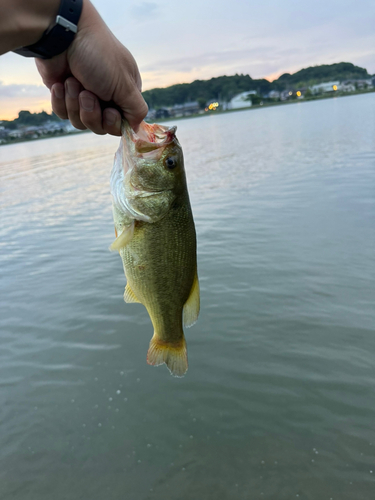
(57, 38)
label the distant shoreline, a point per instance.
(52, 136)
(198, 115)
(269, 104)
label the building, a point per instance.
(363, 84)
(161, 113)
(242, 100)
(323, 88)
(286, 94)
(348, 86)
(274, 94)
(15, 134)
(185, 109)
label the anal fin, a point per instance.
(192, 305)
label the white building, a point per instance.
(242, 100)
(322, 88)
(347, 86)
(363, 84)
(274, 94)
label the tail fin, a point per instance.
(173, 355)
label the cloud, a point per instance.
(258, 62)
(19, 90)
(228, 58)
(144, 11)
(15, 97)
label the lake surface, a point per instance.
(279, 399)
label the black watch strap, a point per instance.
(57, 38)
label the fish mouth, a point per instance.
(149, 141)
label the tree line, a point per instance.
(223, 88)
(27, 119)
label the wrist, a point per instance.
(59, 35)
(90, 20)
(23, 23)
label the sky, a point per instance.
(180, 41)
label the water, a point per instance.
(278, 402)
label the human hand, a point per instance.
(95, 68)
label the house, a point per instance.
(323, 88)
(242, 100)
(162, 113)
(274, 94)
(15, 134)
(286, 94)
(185, 109)
(348, 86)
(363, 84)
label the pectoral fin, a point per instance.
(191, 307)
(124, 238)
(129, 296)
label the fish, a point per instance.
(156, 237)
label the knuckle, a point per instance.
(143, 110)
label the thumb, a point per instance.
(53, 70)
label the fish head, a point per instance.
(152, 159)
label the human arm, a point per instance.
(96, 68)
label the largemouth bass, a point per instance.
(155, 236)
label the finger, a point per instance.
(112, 121)
(58, 100)
(53, 70)
(135, 108)
(90, 112)
(72, 90)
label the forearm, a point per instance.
(23, 22)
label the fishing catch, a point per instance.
(155, 236)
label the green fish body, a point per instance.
(156, 237)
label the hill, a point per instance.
(225, 87)
(320, 74)
(27, 119)
(220, 88)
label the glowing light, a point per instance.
(299, 93)
(213, 106)
(290, 92)
(334, 87)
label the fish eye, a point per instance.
(170, 163)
